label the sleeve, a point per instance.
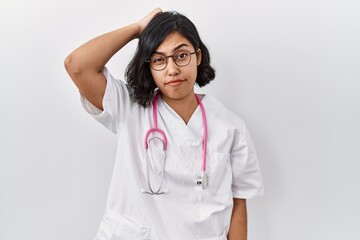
(247, 180)
(116, 103)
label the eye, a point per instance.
(182, 55)
(158, 60)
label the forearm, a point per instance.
(84, 65)
(93, 55)
(238, 224)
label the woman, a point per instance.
(188, 181)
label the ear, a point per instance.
(198, 56)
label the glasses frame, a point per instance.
(172, 56)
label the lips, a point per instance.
(175, 82)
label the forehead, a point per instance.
(172, 41)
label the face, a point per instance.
(176, 82)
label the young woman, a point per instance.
(185, 164)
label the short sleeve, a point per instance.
(247, 180)
(116, 103)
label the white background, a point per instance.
(289, 68)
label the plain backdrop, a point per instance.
(289, 68)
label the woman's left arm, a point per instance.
(238, 224)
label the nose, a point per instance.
(171, 68)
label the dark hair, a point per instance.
(138, 73)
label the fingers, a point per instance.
(155, 11)
(145, 21)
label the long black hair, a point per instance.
(138, 74)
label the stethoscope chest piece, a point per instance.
(202, 180)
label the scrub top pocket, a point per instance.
(219, 173)
(116, 227)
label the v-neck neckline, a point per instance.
(190, 133)
(193, 122)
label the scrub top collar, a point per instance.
(175, 124)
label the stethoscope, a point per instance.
(201, 180)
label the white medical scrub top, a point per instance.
(186, 211)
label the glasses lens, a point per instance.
(182, 57)
(158, 62)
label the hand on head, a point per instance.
(145, 20)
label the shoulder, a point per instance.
(220, 114)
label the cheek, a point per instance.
(193, 72)
(157, 78)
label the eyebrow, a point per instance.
(176, 48)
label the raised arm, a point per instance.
(85, 64)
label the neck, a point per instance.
(183, 107)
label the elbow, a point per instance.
(72, 66)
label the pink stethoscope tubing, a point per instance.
(155, 128)
(201, 180)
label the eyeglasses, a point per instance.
(159, 61)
